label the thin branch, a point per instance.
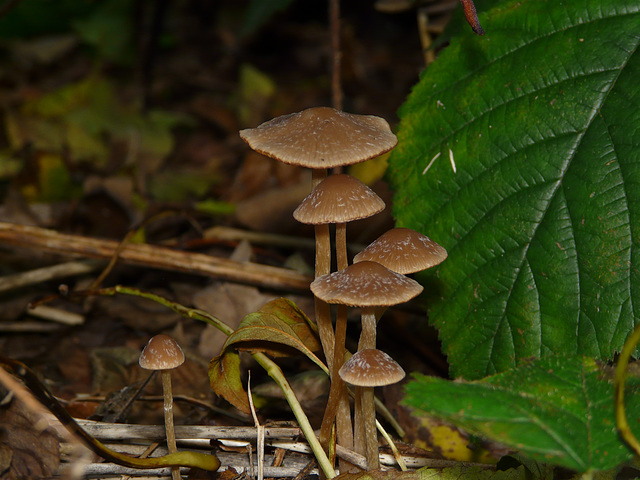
(152, 256)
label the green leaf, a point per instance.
(224, 378)
(452, 473)
(558, 410)
(281, 322)
(541, 116)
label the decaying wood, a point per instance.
(152, 256)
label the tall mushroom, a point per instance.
(367, 285)
(338, 199)
(164, 354)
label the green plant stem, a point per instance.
(274, 371)
(184, 459)
(618, 389)
(392, 446)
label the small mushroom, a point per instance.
(365, 370)
(404, 251)
(371, 368)
(164, 354)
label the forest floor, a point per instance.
(97, 137)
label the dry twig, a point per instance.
(152, 256)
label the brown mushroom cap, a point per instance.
(404, 251)
(371, 368)
(365, 284)
(161, 353)
(338, 199)
(321, 137)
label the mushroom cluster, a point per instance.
(321, 138)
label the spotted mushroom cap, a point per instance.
(161, 353)
(365, 284)
(321, 137)
(338, 199)
(404, 251)
(371, 368)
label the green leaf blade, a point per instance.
(559, 410)
(539, 219)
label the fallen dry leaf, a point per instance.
(25, 452)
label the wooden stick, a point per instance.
(40, 275)
(118, 431)
(152, 256)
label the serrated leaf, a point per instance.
(279, 322)
(558, 410)
(224, 378)
(541, 117)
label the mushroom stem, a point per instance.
(341, 246)
(168, 419)
(338, 402)
(365, 435)
(369, 325)
(323, 267)
(322, 308)
(344, 429)
(369, 427)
